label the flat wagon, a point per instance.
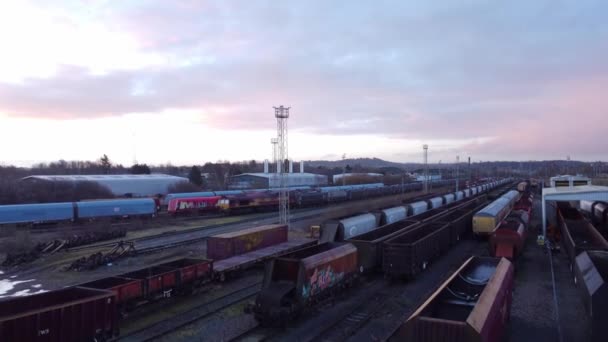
(72, 314)
(474, 304)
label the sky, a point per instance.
(193, 81)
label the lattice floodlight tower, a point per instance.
(274, 142)
(282, 114)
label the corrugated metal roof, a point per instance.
(137, 185)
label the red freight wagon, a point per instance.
(193, 205)
(156, 280)
(474, 304)
(125, 289)
(230, 244)
(294, 280)
(508, 240)
(190, 270)
(72, 314)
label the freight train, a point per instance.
(509, 238)
(227, 202)
(91, 311)
(350, 247)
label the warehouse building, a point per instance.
(265, 180)
(120, 185)
(567, 180)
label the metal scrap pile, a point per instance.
(14, 259)
(122, 249)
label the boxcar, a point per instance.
(226, 245)
(72, 314)
(474, 304)
(116, 208)
(409, 253)
(293, 281)
(488, 218)
(435, 202)
(508, 240)
(449, 198)
(591, 278)
(36, 213)
(346, 228)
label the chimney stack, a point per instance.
(290, 166)
(265, 165)
(302, 166)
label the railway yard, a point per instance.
(398, 267)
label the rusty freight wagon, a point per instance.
(474, 304)
(369, 245)
(297, 279)
(409, 253)
(508, 240)
(234, 243)
(578, 234)
(591, 278)
(72, 314)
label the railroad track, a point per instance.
(199, 312)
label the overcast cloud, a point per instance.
(503, 80)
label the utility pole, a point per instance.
(425, 149)
(274, 142)
(281, 113)
(344, 169)
(457, 162)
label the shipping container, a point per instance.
(36, 213)
(591, 278)
(474, 304)
(409, 253)
(346, 228)
(234, 243)
(293, 281)
(116, 208)
(125, 289)
(73, 314)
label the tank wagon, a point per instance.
(474, 304)
(296, 280)
(591, 278)
(72, 314)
